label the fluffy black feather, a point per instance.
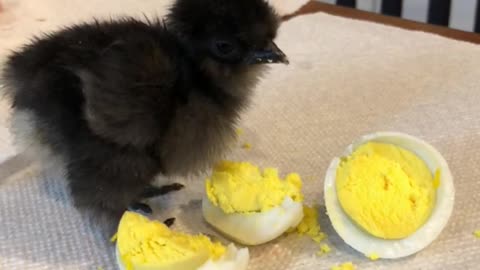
(122, 101)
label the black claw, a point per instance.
(153, 191)
(169, 222)
(138, 206)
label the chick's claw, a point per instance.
(169, 222)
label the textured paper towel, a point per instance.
(346, 78)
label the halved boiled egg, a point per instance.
(390, 195)
(250, 206)
(144, 244)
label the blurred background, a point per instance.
(457, 14)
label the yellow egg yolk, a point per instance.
(324, 249)
(144, 244)
(247, 146)
(240, 187)
(239, 131)
(309, 225)
(373, 256)
(387, 190)
(344, 266)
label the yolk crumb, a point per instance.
(324, 249)
(344, 266)
(477, 233)
(239, 131)
(114, 238)
(387, 190)
(240, 187)
(247, 146)
(309, 225)
(147, 243)
(373, 256)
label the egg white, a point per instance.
(254, 228)
(233, 259)
(368, 244)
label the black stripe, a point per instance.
(477, 20)
(392, 7)
(439, 12)
(347, 3)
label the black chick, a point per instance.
(120, 102)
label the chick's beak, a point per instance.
(269, 55)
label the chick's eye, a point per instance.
(224, 47)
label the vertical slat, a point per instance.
(392, 7)
(347, 3)
(366, 5)
(439, 12)
(415, 10)
(378, 6)
(462, 15)
(328, 1)
(477, 20)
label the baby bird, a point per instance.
(122, 101)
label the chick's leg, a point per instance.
(146, 209)
(151, 191)
(140, 206)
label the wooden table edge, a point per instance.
(315, 6)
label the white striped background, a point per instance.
(462, 13)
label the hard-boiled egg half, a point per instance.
(390, 195)
(144, 244)
(251, 206)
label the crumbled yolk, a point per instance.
(240, 187)
(146, 243)
(324, 249)
(373, 256)
(387, 190)
(477, 233)
(114, 238)
(309, 225)
(239, 131)
(344, 266)
(247, 146)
